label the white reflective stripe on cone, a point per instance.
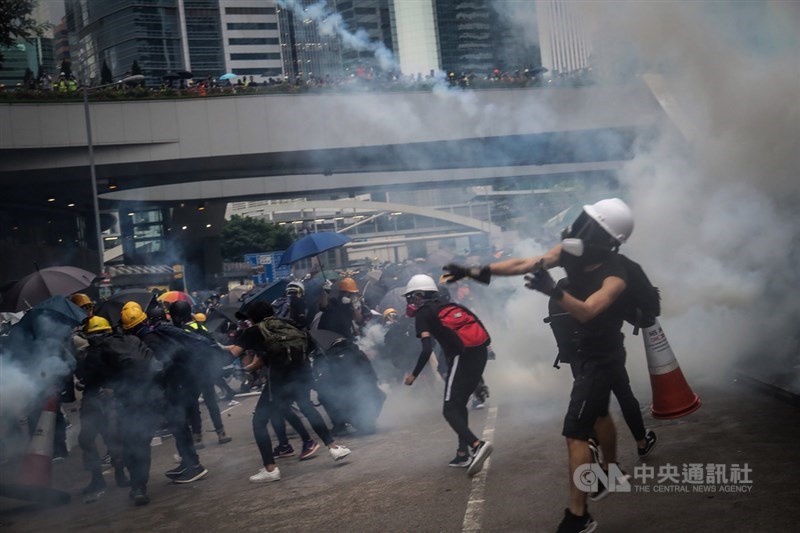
(42, 439)
(660, 357)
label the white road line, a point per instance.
(473, 517)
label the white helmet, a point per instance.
(614, 216)
(420, 283)
(296, 286)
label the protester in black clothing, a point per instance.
(465, 368)
(121, 367)
(286, 385)
(175, 349)
(341, 313)
(209, 371)
(98, 414)
(596, 280)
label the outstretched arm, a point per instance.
(424, 357)
(509, 267)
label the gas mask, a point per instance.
(346, 300)
(585, 243)
(411, 310)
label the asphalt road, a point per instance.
(398, 480)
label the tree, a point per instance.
(16, 22)
(136, 70)
(105, 74)
(244, 235)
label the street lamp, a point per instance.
(130, 80)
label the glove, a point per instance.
(454, 272)
(542, 281)
(327, 286)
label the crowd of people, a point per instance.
(154, 364)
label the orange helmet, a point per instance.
(347, 285)
(80, 299)
(132, 315)
(200, 317)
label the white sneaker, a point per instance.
(339, 452)
(263, 476)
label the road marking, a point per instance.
(473, 517)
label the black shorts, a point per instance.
(591, 392)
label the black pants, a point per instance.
(463, 375)
(261, 417)
(210, 399)
(136, 432)
(620, 385)
(181, 404)
(97, 418)
(294, 386)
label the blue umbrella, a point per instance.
(312, 245)
(57, 308)
(227, 76)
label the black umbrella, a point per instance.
(268, 293)
(184, 74)
(171, 76)
(112, 307)
(44, 283)
(221, 315)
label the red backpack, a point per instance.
(467, 326)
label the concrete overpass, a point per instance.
(243, 146)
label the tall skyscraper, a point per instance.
(371, 16)
(251, 40)
(461, 36)
(563, 37)
(306, 52)
(161, 35)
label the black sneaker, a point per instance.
(191, 474)
(139, 497)
(480, 453)
(576, 524)
(648, 447)
(602, 491)
(283, 451)
(96, 485)
(460, 461)
(595, 449)
(176, 472)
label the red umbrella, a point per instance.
(43, 284)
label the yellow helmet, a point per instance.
(80, 299)
(388, 312)
(347, 285)
(96, 324)
(132, 315)
(199, 317)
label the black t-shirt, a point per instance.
(604, 332)
(251, 339)
(427, 319)
(338, 317)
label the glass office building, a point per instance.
(160, 35)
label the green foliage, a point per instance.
(105, 74)
(245, 235)
(17, 22)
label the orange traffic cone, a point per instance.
(36, 476)
(672, 396)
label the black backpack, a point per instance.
(641, 301)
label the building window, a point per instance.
(249, 10)
(364, 11)
(246, 57)
(266, 72)
(253, 40)
(252, 25)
